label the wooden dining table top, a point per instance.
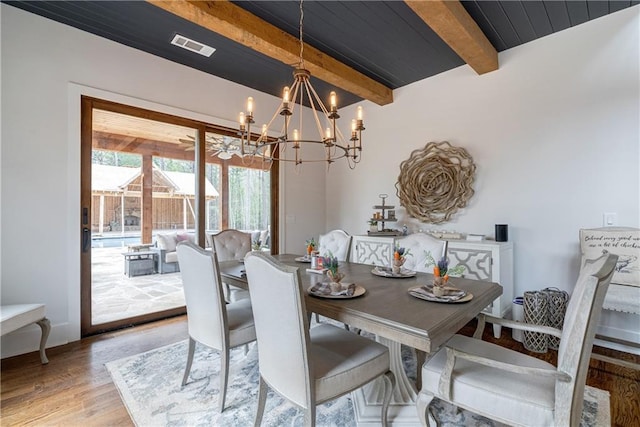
(386, 308)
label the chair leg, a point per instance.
(192, 348)
(389, 385)
(45, 325)
(310, 416)
(422, 404)
(262, 398)
(224, 376)
(227, 292)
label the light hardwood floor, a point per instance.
(76, 389)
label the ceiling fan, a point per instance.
(222, 146)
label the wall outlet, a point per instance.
(609, 219)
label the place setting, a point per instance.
(440, 290)
(333, 287)
(310, 247)
(396, 271)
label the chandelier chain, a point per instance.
(300, 35)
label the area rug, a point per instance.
(149, 384)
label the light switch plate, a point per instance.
(609, 219)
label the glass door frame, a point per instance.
(88, 104)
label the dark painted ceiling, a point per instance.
(384, 40)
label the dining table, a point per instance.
(396, 318)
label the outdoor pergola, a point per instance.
(112, 186)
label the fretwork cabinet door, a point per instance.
(490, 261)
(373, 250)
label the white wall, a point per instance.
(45, 68)
(553, 133)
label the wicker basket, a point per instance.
(556, 308)
(535, 312)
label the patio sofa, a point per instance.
(166, 247)
(166, 250)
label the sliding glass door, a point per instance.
(150, 180)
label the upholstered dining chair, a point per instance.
(232, 245)
(515, 388)
(210, 321)
(306, 366)
(336, 242)
(423, 250)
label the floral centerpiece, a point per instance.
(256, 245)
(399, 256)
(311, 246)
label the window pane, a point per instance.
(173, 195)
(213, 209)
(250, 201)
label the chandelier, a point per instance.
(329, 137)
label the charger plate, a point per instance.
(427, 296)
(386, 272)
(358, 292)
(302, 259)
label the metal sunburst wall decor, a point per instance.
(436, 181)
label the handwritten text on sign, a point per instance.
(624, 243)
(629, 241)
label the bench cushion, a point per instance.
(15, 316)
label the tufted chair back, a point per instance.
(338, 242)
(231, 244)
(425, 250)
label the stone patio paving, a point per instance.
(116, 296)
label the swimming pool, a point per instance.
(114, 241)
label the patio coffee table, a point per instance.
(139, 263)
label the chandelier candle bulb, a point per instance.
(333, 101)
(296, 142)
(354, 134)
(250, 105)
(359, 114)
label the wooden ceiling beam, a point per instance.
(235, 23)
(452, 23)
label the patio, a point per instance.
(116, 296)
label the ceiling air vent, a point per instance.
(192, 45)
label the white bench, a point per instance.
(15, 316)
(623, 294)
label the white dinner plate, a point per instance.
(302, 259)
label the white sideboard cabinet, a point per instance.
(483, 260)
